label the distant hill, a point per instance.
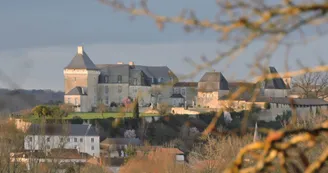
(16, 100)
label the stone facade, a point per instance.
(188, 91)
(87, 84)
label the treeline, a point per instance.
(13, 101)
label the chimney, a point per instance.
(119, 62)
(131, 63)
(80, 50)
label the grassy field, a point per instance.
(105, 115)
(96, 115)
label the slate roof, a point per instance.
(62, 130)
(81, 61)
(78, 91)
(237, 84)
(276, 83)
(176, 96)
(213, 81)
(186, 84)
(113, 70)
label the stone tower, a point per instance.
(81, 81)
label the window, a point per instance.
(92, 140)
(106, 89)
(119, 89)
(119, 79)
(152, 80)
(106, 100)
(160, 79)
(95, 100)
(61, 139)
(106, 79)
(75, 139)
(81, 139)
(68, 100)
(68, 139)
(30, 138)
(92, 148)
(75, 79)
(48, 139)
(135, 81)
(75, 101)
(183, 91)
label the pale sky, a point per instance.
(39, 38)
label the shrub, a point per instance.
(163, 109)
(113, 104)
(267, 106)
(77, 120)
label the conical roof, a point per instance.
(81, 61)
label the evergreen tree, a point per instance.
(136, 109)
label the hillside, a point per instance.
(16, 100)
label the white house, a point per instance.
(82, 137)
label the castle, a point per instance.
(88, 84)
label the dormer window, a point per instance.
(106, 80)
(135, 81)
(160, 79)
(119, 79)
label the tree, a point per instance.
(136, 109)
(163, 109)
(70, 169)
(41, 110)
(37, 110)
(155, 92)
(130, 134)
(312, 85)
(77, 120)
(101, 108)
(66, 108)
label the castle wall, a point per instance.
(83, 78)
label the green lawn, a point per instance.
(96, 115)
(105, 115)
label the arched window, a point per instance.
(119, 79)
(106, 79)
(135, 81)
